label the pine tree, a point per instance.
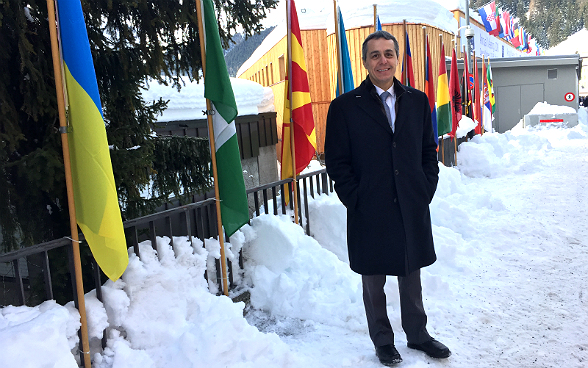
(132, 43)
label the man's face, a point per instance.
(381, 62)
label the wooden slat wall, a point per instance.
(271, 59)
(314, 43)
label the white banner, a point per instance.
(489, 46)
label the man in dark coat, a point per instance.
(381, 153)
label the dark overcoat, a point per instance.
(386, 180)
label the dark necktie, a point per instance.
(383, 97)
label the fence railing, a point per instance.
(191, 220)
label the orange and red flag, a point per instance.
(301, 112)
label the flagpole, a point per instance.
(474, 94)
(462, 113)
(338, 44)
(483, 95)
(425, 56)
(404, 61)
(292, 140)
(490, 93)
(219, 221)
(59, 89)
(375, 17)
(466, 79)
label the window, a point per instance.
(282, 68)
(551, 73)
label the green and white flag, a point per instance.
(218, 89)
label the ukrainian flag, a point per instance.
(96, 202)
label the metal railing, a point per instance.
(194, 219)
(191, 220)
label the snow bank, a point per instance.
(41, 336)
(292, 275)
(543, 108)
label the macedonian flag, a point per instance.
(302, 121)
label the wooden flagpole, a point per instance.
(425, 61)
(475, 92)
(292, 140)
(482, 95)
(466, 80)
(489, 95)
(404, 61)
(338, 44)
(213, 154)
(375, 17)
(59, 89)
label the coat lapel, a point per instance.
(370, 105)
(401, 95)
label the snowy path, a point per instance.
(513, 291)
(508, 289)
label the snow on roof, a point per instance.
(575, 44)
(318, 14)
(188, 104)
(394, 11)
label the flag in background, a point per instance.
(506, 23)
(430, 90)
(488, 15)
(443, 102)
(511, 27)
(96, 201)
(491, 89)
(485, 102)
(498, 16)
(345, 63)
(455, 95)
(515, 41)
(302, 119)
(407, 75)
(476, 99)
(522, 39)
(466, 88)
(218, 89)
(378, 24)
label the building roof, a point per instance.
(575, 44)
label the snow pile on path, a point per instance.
(161, 314)
(292, 275)
(40, 336)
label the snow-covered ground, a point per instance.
(508, 290)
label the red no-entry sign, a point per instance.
(569, 96)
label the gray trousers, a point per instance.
(412, 312)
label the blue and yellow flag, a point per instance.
(96, 201)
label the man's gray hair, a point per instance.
(374, 36)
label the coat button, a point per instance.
(394, 144)
(396, 172)
(395, 200)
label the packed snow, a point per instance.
(508, 289)
(543, 108)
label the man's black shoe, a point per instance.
(388, 355)
(432, 348)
